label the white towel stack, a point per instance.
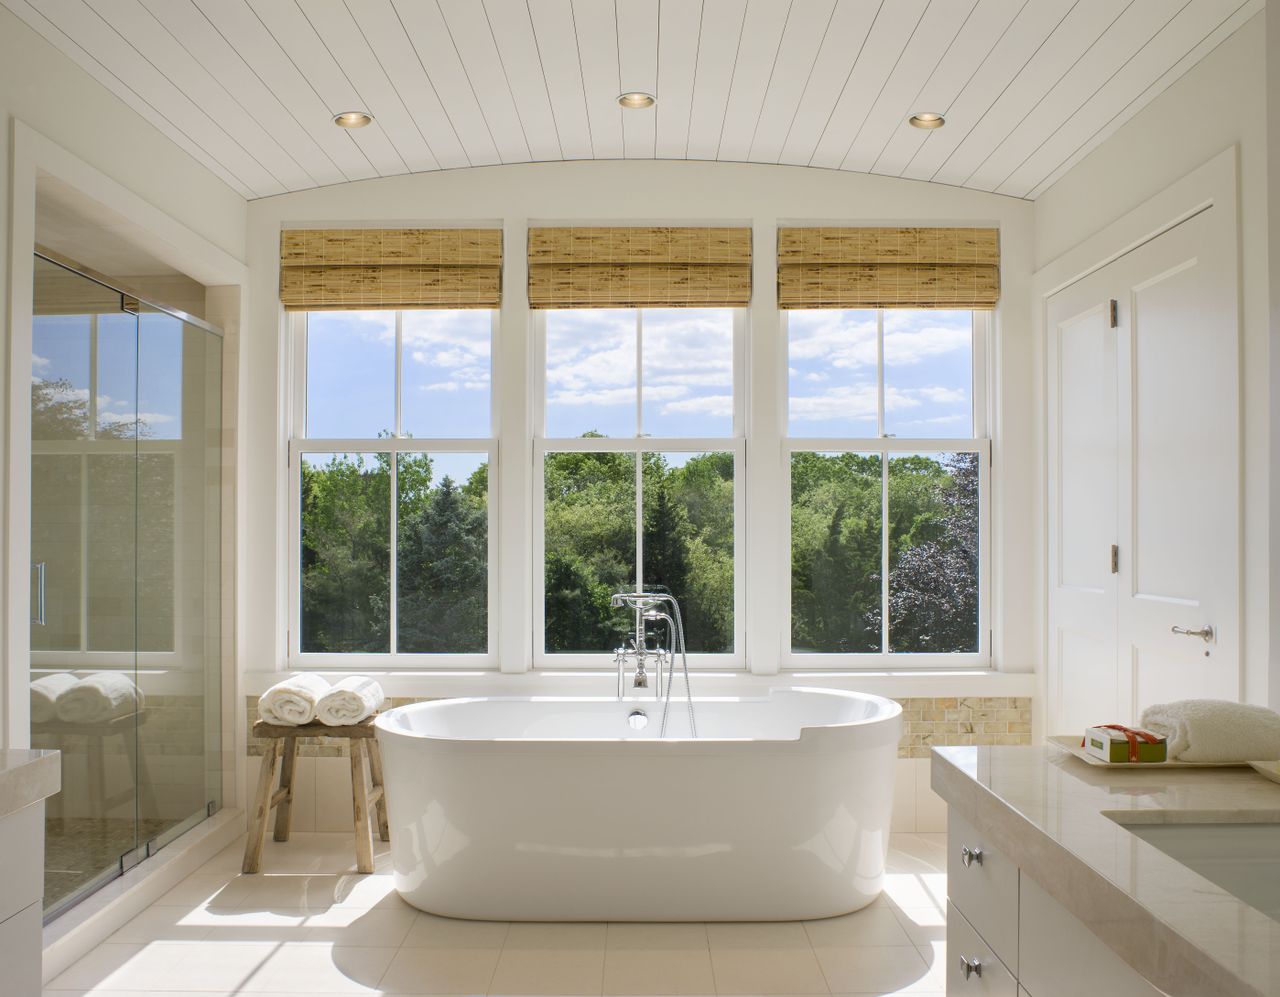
(350, 701)
(1215, 730)
(44, 695)
(99, 697)
(292, 703)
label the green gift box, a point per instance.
(1117, 743)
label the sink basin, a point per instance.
(1243, 859)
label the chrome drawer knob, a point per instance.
(968, 856)
(971, 967)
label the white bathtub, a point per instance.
(534, 809)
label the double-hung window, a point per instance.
(638, 465)
(390, 455)
(888, 471)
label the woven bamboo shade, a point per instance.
(329, 269)
(888, 267)
(649, 267)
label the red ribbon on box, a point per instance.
(1131, 735)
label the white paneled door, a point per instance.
(1144, 468)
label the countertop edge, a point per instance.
(27, 780)
(1164, 957)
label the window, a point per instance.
(389, 465)
(888, 478)
(637, 475)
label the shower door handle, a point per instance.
(39, 619)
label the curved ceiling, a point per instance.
(249, 87)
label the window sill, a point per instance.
(894, 684)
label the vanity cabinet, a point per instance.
(1007, 937)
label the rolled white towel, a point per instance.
(1215, 730)
(44, 695)
(292, 703)
(99, 697)
(350, 701)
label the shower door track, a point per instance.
(115, 285)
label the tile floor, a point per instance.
(309, 925)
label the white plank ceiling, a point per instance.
(249, 87)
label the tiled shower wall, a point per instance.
(322, 780)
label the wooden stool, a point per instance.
(140, 794)
(282, 743)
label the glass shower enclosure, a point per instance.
(126, 573)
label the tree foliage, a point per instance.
(837, 546)
(591, 550)
(688, 549)
(441, 548)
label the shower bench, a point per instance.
(279, 755)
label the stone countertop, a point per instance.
(1047, 811)
(26, 777)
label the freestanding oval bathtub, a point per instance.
(534, 809)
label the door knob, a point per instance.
(971, 967)
(1205, 633)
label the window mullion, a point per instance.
(880, 421)
(884, 552)
(639, 374)
(393, 554)
(398, 431)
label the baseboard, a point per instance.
(96, 917)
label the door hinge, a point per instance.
(1115, 559)
(1115, 313)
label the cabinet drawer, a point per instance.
(21, 859)
(988, 976)
(1060, 957)
(984, 888)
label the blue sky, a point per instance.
(351, 371)
(686, 372)
(928, 373)
(139, 366)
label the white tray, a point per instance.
(1071, 744)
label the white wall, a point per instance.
(42, 89)
(629, 192)
(1221, 102)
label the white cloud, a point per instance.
(942, 396)
(720, 406)
(845, 401)
(127, 418)
(39, 363)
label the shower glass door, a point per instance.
(125, 548)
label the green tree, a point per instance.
(442, 555)
(346, 578)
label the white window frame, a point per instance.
(300, 444)
(542, 445)
(885, 447)
(83, 657)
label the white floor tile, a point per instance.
(870, 926)
(440, 970)
(551, 959)
(924, 925)
(875, 969)
(372, 927)
(304, 928)
(158, 924)
(319, 967)
(772, 958)
(203, 889)
(429, 931)
(657, 959)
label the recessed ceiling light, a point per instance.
(352, 119)
(927, 119)
(636, 98)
